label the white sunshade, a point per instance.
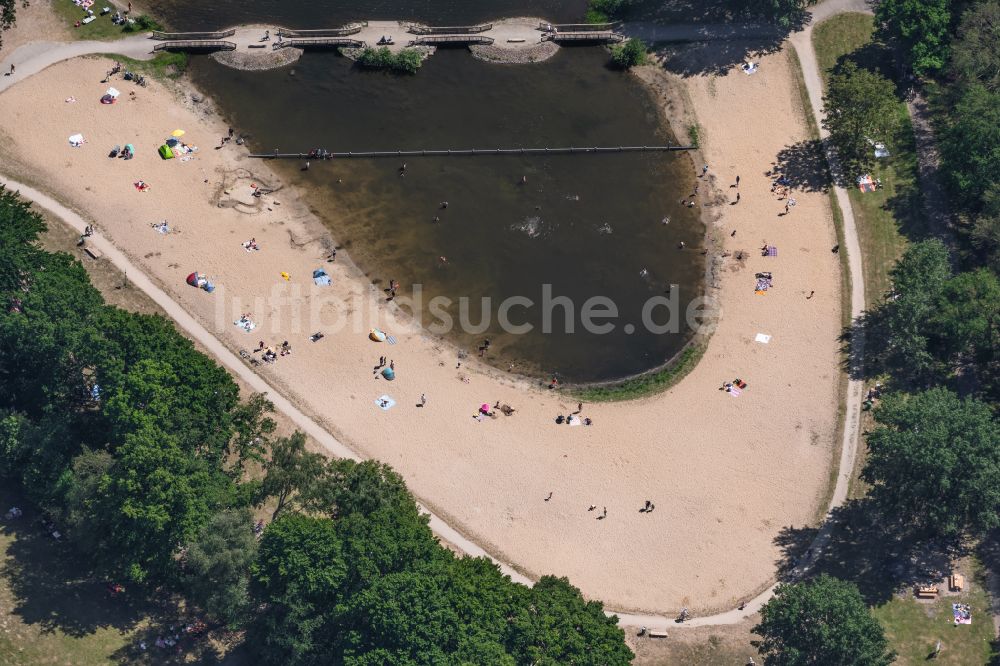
(113, 92)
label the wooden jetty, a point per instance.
(468, 152)
(418, 29)
(187, 36)
(195, 45)
(448, 40)
(320, 42)
(345, 31)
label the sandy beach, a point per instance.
(726, 474)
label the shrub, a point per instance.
(629, 54)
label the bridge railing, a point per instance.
(577, 27)
(305, 42)
(173, 36)
(349, 29)
(417, 29)
(430, 40)
(586, 37)
(195, 45)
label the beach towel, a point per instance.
(749, 68)
(385, 403)
(735, 392)
(962, 613)
(574, 420)
(762, 338)
(771, 251)
(865, 183)
(391, 340)
(246, 324)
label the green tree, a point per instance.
(785, 13)
(345, 487)
(556, 626)
(297, 581)
(154, 498)
(975, 54)
(918, 279)
(934, 463)
(822, 621)
(252, 428)
(19, 226)
(79, 489)
(921, 28)
(629, 54)
(605, 11)
(217, 566)
(290, 470)
(970, 147)
(860, 107)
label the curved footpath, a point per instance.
(34, 57)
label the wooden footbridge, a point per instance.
(320, 42)
(419, 29)
(468, 152)
(450, 40)
(195, 45)
(345, 31)
(193, 36)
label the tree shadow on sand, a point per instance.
(803, 165)
(881, 556)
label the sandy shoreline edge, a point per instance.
(129, 236)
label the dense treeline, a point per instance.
(137, 448)
(933, 460)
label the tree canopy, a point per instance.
(860, 107)
(783, 12)
(975, 54)
(921, 28)
(934, 462)
(217, 566)
(822, 621)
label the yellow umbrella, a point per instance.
(177, 132)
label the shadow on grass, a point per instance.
(52, 587)
(866, 549)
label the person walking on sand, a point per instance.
(423, 400)
(12, 69)
(549, 497)
(604, 514)
(737, 197)
(704, 171)
(591, 507)
(737, 182)
(810, 295)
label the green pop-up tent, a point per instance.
(165, 152)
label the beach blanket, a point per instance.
(771, 251)
(762, 338)
(865, 183)
(391, 340)
(385, 403)
(962, 613)
(246, 324)
(735, 391)
(763, 284)
(574, 420)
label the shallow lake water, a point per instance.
(585, 225)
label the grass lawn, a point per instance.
(50, 610)
(913, 627)
(100, 29)
(887, 219)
